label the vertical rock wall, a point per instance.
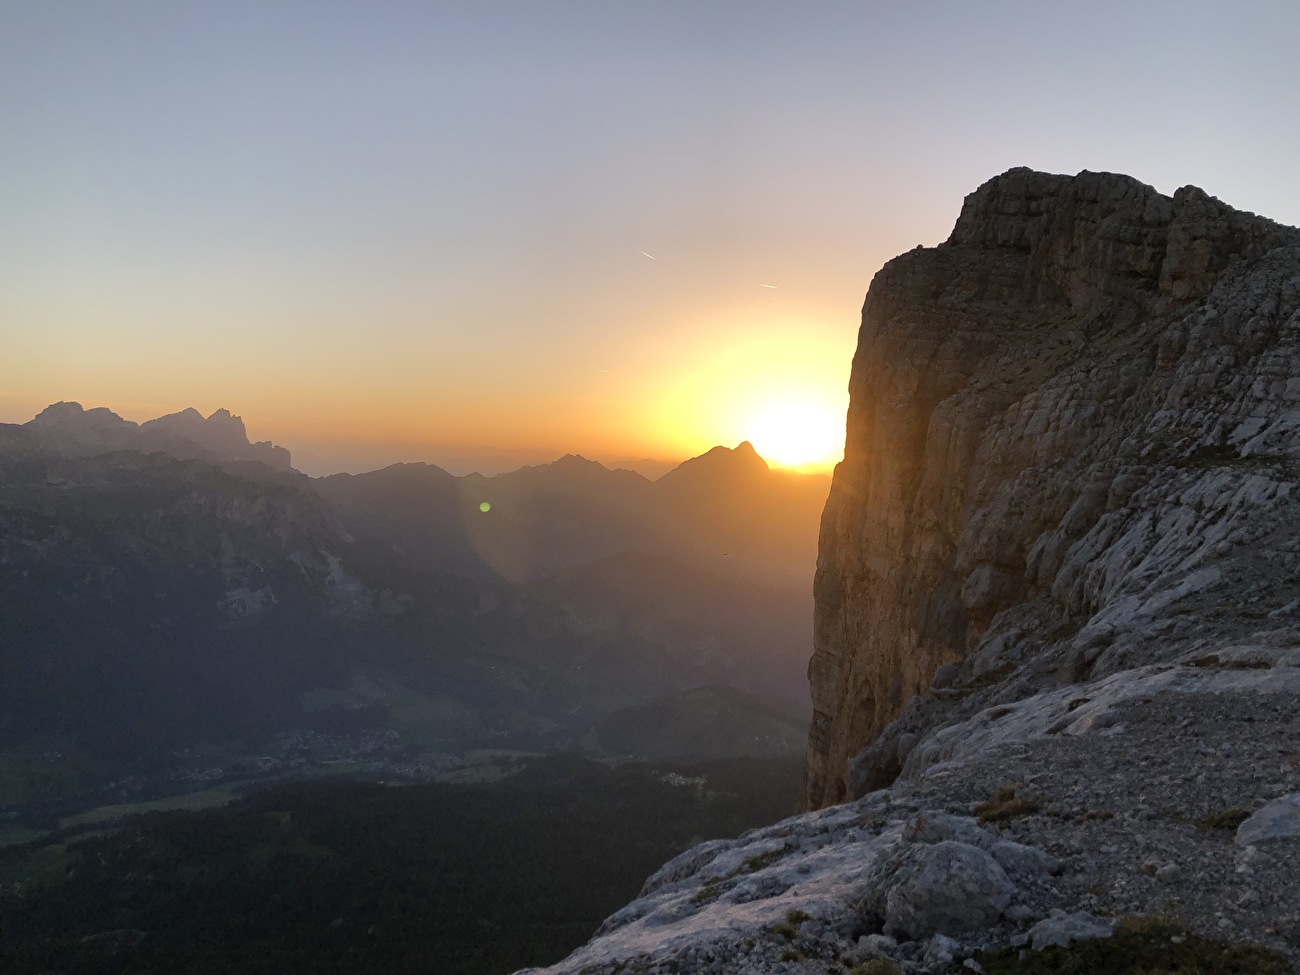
(1006, 392)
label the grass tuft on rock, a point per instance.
(988, 678)
(1212, 661)
(1224, 819)
(708, 893)
(1005, 804)
(1140, 946)
(760, 861)
(877, 966)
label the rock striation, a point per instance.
(1057, 632)
(1067, 423)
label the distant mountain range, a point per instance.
(66, 428)
(168, 584)
(724, 510)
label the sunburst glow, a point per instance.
(795, 434)
(778, 383)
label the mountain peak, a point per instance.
(66, 427)
(60, 409)
(718, 468)
(741, 457)
(224, 418)
(73, 428)
(575, 460)
(65, 413)
(220, 433)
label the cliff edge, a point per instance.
(1056, 675)
(1056, 420)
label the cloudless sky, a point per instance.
(414, 224)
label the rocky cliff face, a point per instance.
(1064, 421)
(1057, 632)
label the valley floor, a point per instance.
(352, 876)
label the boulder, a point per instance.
(1060, 931)
(1017, 858)
(1279, 820)
(946, 888)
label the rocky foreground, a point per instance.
(1058, 612)
(1171, 791)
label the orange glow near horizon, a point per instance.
(782, 388)
(746, 373)
(561, 230)
(799, 435)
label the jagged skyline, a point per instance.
(223, 436)
(622, 230)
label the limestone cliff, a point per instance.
(1048, 413)
(1057, 635)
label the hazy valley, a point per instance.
(185, 614)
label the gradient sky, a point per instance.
(408, 224)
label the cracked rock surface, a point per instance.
(1071, 437)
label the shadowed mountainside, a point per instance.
(724, 510)
(154, 602)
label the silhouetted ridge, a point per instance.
(68, 429)
(721, 467)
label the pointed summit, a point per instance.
(575, 461)
(221, 434)
(572, 473)
(719, 467)
(570, 465)
(223, 419)
(746, 452)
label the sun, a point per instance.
(797, 434)
(779, 385)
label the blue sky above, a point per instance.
(424, 223)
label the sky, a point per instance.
(392, 230)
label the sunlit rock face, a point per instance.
(1070, 424)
